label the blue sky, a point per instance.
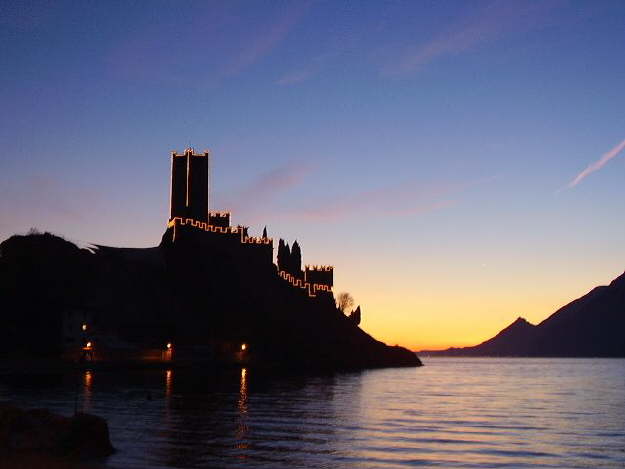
(426, 149)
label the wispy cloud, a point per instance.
(295, 77)
(597, 165)
(267, 39)
(220, 41)
(255, 195)
(263, 199)
(311, 68)
(408, 199)
(490, 23)
(45, 201)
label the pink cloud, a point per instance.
(267, 39)
(312, 67)
(404, 200)
(295, 77)
(266, 187)
(209, 49)
(493, 21)
(597, 165)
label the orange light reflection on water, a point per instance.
(242, 428)
(168, 384)
(88, 390)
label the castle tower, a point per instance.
(189, 185)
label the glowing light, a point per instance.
(88, 344)
(168, 345)
(84, 327)
(243, 348)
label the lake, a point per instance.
(453, 412)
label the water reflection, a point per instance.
(87, 380)
(168, 385)
(451, 413)
(242, 427)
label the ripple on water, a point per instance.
(510, 413)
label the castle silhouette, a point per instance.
(208, 294)
(190, 217)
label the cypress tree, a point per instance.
(281, 255)
(296, 260)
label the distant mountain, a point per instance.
(591, 326)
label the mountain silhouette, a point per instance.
(590, 326)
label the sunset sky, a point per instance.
(459, 163)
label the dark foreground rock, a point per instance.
(40, 431)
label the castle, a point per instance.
(208, 293)
(190, 216)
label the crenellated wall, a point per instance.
(312, 288)
(189, 210)
(228, 230)
(319, 274)
(219, 218)
(309, 284)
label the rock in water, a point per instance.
(80, 436)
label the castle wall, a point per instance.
(231, 239)
(322, 275)
(190, 219)
(221, 219)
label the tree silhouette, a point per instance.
(355, 315)
(296, 260)
(284, 256)
(344, 301)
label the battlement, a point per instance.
(219, 219)
(319, 274)
(189, 152)
(317, 278)
(179, 221)
(311, 288)
(189, 209)
(319, 268)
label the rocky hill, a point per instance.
(191, 292)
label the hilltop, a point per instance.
(192, 293)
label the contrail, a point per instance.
(597, 165)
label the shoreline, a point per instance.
(30, 366)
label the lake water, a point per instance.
(453, 412)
